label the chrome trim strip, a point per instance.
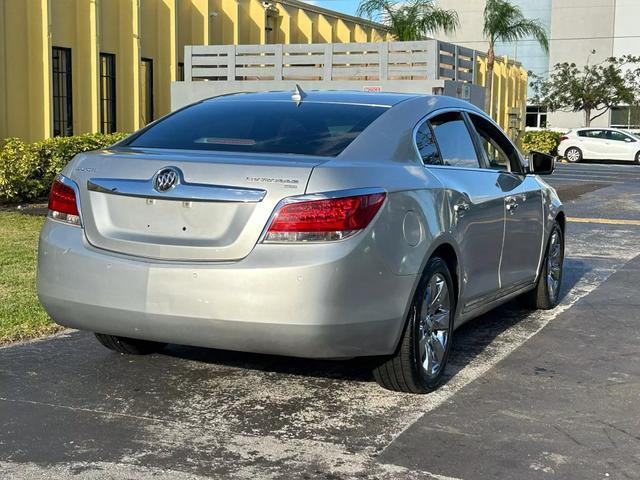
(351, 192)
(185, 192)
(493, 297)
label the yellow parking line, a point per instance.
(610, 221)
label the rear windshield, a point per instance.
(261, 127)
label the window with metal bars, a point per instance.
(107, 93)
(146, 80)
(62, 92)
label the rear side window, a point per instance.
(592, 133)
(261, 127)
(454, 141)
(426, 143)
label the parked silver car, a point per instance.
(324, 225)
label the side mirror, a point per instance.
(628, 140)
(540, 163)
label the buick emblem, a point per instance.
(166, 179)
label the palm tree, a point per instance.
(410, 19)
(505, 22)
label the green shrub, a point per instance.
(545, 141)
(27, 169)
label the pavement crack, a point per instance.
(619, 429)
(568, 435)
(88, 410)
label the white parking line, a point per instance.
(594, 180)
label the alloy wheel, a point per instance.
(554, 264)
(573, 155)
(433, 327)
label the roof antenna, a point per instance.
(297, 95)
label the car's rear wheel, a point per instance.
(547, 291)
(573, 154)
(131, 346)
(420, 360)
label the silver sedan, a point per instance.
(320, 224)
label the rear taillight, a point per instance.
(564, 137)
(323, 220)
(63, 205)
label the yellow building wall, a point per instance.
(131, 30)
(193, 24)
(73, 24)
(119, 31)
(324, 29)
(158, 43)
(341, 32)
(25, 65)
(510, 82)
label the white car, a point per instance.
(599, 144)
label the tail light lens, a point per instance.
(564, 137)
(323, 220)
(63, 205)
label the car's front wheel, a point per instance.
(637, 159)
(573, 154)
(419, 362)
(131, 346)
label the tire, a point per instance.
(573, 154)
(130, 346)
(637, 160)
(405, 371)
(545, 295)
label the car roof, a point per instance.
(386, 99)
(599, 128)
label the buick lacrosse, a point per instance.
(319, 225)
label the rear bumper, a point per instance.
(317, 301)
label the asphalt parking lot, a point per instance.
(536, 395)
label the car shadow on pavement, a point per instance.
(475, 336)
(470, 340)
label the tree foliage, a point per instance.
(410, 19)
(591, 89)
(505, 22)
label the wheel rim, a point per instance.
(554, 264)
(434, 325)
(573, 155)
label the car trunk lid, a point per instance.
(216, 210)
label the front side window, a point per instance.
(454, 141)
(500, 153)
(284, 127)
(618, 136)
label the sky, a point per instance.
(345, 6)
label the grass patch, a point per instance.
(21, 315)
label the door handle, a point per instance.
(511, 204)
(461, 208)
(511, 207)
